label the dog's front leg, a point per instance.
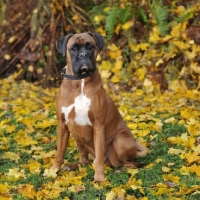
(99, 145)
(63, 138)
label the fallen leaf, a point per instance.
(28, 191)
(17, 173)
(50, 173)
(192, 157)
(12, 156)
(166, 169)
(4, 188)
(170, 177)
(110, 196)
(76, 188)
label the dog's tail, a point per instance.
(141, 150)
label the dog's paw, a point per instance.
(70, 167)
(55, 166)
(98, 177)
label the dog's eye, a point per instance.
(90, 47)
(73, 49)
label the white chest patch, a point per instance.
(82, 106)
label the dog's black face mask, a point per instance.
(81, 50)
(82, 58)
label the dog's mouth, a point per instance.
(84, 69)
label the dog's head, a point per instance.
(81, 51)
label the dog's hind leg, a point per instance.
(126, 149)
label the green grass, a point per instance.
(118, 180)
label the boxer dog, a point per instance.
(87, 112)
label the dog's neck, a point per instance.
(76, 84)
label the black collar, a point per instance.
(67, 76)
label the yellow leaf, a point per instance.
(132, 126)
(155, 35)
(98, 18)
(132, 171)
(143, 133)
(114, 51)
(105, 74)
(194, 130)
(117, 29)
(16, 173)
(76, 188)
(196, 148)
(10, 128)
(29, 128)
(12, 39)
(194, 168)
(183, 140)
(127, 25)
(147, 82)
(50, 173)
(166, 169)
(159, 125)
(134, 47)
(190, 56)
(150, 165)
(105, 65)
(128, 118)
(139, 92)
(7, 56)
(177, 31)
(34, 166)
(182, 45)
(113, 47)
(161, 191)
(117, 66)
(75, 17)
(184, 170)
(175, 151)
(101, 31)
(144, 46)
(192, 157)
(170, 120)
(4, 189)
(115, 79)
(12, 156)
(26, 141)
(141, 73)
(135, 187)
(159, 160)
(170, 177)
(110, 196)
(28, 191)
(106, 9)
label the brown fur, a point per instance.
(108, 140)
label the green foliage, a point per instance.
(111, 21)
(125, 14)
(140, 13)
(187, 14)
(2, 11)
(160, 13)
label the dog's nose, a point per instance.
(84, 68)
(82, 54)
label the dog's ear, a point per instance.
(61, 44)
(99, 40)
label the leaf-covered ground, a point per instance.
(168, 124)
